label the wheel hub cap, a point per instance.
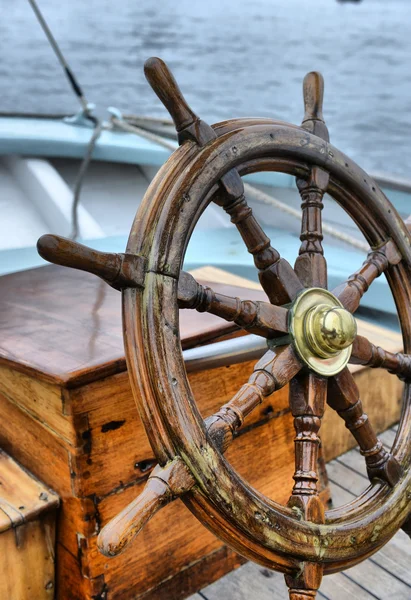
(322, 331)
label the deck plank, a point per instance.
(346, 477)
(378, 581)
(388, 438)
(249, 581)
(355, 461)
(339, 496)
(395, 556)
(341, 587)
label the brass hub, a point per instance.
(322, 331)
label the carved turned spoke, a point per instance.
(351, 292)
(307, 401)
(366, 353)
(260, 318)
(310, 265)
(343, 396)
(277, 277)
(272, 372)
(118, 270)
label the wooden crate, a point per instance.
(72, 421)
(27, 534)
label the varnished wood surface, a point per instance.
(384, 576)
(101, 464)
(65, 325)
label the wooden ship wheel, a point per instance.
(310, 331)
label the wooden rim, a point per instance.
(172, 206)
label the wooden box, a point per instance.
(27, 534)
(68, 416)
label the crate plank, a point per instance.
(27, 534)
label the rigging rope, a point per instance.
(145, 133)
(80, 178)
(329, 229)
(85, 112)
(53, 43)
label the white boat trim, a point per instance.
(45, 189)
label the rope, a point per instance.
(75, 86)
(81, 175)
(329, 229)
(259, 195)
(145, 118)
(149, 135)
(53, 43)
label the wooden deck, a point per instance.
(386, 575)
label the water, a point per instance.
(231, 57)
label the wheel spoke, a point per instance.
(366, 353)
(260, 318)
(307, 401)
(277, 277)
(272, 372)
(311, 266)
(351, 291)
(343, 396)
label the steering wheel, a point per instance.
(311, 337)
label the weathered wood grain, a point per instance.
(27, 534)
(38, 450)
(44, 402)
(349, 480)
(388, 438)
(250, 581)
(27, 564)
(341, 587)
(302, 541)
